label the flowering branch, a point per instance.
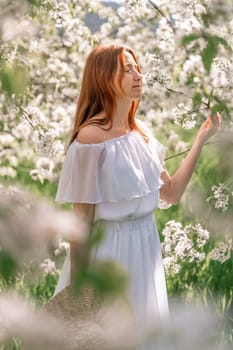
(162, 14)
(207, 104)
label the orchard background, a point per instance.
(185, 50)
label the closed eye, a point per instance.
(130, 68)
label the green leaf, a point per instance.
(189, 38)
(220, 107)
(8, 265)
(222, 41)
(209, 53)
(190, 79)
(106, 277)
(97, 235)
(196, 100)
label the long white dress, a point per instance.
(122, 177)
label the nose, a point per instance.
(137, 75)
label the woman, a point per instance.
(114, 172)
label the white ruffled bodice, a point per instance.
(120, 176)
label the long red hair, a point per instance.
(98, 92)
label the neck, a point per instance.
(120, 118)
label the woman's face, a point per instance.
(131, 82)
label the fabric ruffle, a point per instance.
(115, 170)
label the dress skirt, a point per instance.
(135, 244)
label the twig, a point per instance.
(197, 110)
(182, 93)
(230, 184)
(211, 94)
(162, 14)
(176, 92)
(187, 150)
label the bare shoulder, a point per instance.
(90, 134)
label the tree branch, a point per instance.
(162, 14)
(182, 93)
(187, 150)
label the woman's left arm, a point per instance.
(174, 186)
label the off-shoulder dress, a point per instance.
(121, 176)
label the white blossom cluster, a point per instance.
(192, 66)
(155, 76)
(220, 72)
(62, 247)
(45, 145)
(163, 204)
(48, 266)
(44, 142)
(165, 38)
(182, 244)
(194, 7)
(51, 265)
(188, 245)
(220, 196)
(184, 116)
(222, 252)
(133, 8)
(43, 170)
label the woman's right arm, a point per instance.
(79, 250)
(174, 186)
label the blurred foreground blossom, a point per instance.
(190, 327)
(13, 22)
(74, 323)
(19, 320)
(30, 227)
(109, 324)
(12, 28)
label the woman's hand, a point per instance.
(211, 126)
(175, 186)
